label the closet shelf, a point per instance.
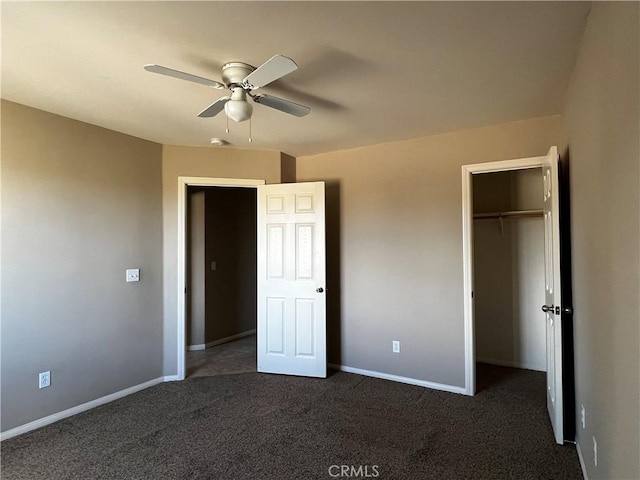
(512, 214)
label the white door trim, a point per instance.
(183, 183)
(467, 252)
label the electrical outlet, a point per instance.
(396, 346)
(44, 379)
(583, 416)
(595, 452)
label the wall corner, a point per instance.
(287, 168)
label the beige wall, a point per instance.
(394, 240)
(80, 204)
(198, 162)
(601, 131)
(195, 298)
(288, 168)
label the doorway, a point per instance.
(468, 172)
(183, 184)
(508, 250)
(553, 308)
(221, 253)
(291, 271)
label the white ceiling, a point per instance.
(372, 72)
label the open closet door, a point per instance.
(291, 279)
(553, 300)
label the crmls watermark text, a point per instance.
(354, 471)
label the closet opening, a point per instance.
(509, 276)
(221, 280)
(501, 317)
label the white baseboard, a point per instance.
(237, 336)
(506, 363)
(583, 466)
(78, 409)
(396, 378)
(171, 378)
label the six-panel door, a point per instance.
(291, 279)
(553, 293)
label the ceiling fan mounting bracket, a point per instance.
(233, 73)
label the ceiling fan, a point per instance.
(242, 79)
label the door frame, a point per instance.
(183, 183)
(467, 252)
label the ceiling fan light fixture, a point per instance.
(238, 110)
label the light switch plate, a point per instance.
(133, 275)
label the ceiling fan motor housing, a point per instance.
(233, 73)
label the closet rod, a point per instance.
(515, 213)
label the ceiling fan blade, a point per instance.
(274, 68)
(215, 108)
(170, 72)
(285, 106)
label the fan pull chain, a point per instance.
(250, 139)
(227, 130)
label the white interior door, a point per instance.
(291, 279)
(552, 307)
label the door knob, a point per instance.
(320, 290)
(547, 308)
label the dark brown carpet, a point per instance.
(256, 426)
